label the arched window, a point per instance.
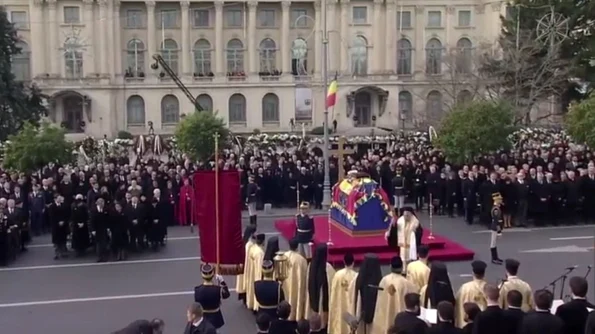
(268, 56)
(359, 56)
(21, 63)
(170, 110)
(405, 104)
(404, 51)
(72, 113)
(464, 96)
(299, 57)
(169, 52)
(237, 109)
(135, 58)
(434, 106)
(434, 57)
(363, 108)
(135, 111)
(202, 58)
(206, 102)
(270, 108)
(235, 57)
(73, 57)
(464, 56)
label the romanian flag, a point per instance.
(331, 95)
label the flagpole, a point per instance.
(326, 192)
(217, 236)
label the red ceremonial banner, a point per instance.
(231, 248)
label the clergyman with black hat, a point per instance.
(210, 294)
(248, 240)
(513, 282)
(294, 286)
(304, 230)
(268, 292)
(253, 270)
(496, 227)
(340, 297)
(407, 227)
(364, 295)
(391, 297)
(320, 277)
(471, 292)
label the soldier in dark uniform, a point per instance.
(100, 222)
(251, 199)
(304, 232)
(495, 227)
(136, 217)
(58, 215)
(80, 225)
(398, 183)
(210, 294)
(268, 291)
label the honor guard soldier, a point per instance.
(304, 233)
(251, 199)
(399, 188)
(210, 293)
(268, 291)
(496, 227)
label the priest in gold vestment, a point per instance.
(391, 297)
(340, 297)
(418, 271)
(253, 270)
(294, 286)
(471, 292)
(320, 278)
(512, 282)
(408, 235)
(364, 295)
(248, 240)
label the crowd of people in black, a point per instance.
(545, 178)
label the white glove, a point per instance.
(81, 225)
(93, 233)
(219, 279)
(61, 223)
(135, 222)
(386, 234)
(155, 221)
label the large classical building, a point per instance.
(259, 64)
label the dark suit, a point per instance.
(204, 327)
(541, 322)
(137, 230)
(268, 294)
(409, 323)
(280, 326)
(210, 296)
(513, 318)
(137, 327)
(100, 222)
(490, 321)
(468, 329)
(574, 315)
(16, 219)
(590, 324)
(445, 328)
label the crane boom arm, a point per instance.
(176, 79)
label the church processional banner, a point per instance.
(231, 247)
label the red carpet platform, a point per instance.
(441, 248)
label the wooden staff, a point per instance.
(216, 137)
(431, 236)
(297, 193)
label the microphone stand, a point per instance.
(562, 278)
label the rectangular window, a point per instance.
(299, 18)
(201, 18)
(404, 19)
(464, 18)
(360, 15)
(234, 18)
(72, 14)
(169, 19)
(435, 19)
(19, 19)
(134, 19)
(266, 18)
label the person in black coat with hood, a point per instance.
(370, 274)
(439, 288)
(80, 226)
(120, 228)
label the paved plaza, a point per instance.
(84, 297)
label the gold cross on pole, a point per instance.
(340, 152)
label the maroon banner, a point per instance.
(231, 247)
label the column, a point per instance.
(90, 58)
(285, 43)
(448, 24)
(346, 37)
(390, 55)
(55, 45)
(151, 47)
(419, 57)
(334, 40)
(252, 54)
(219, 48)
(377, 40)
(38, 42)
(117, 38)
(103, 27)
(318, 39)
(186, 68)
